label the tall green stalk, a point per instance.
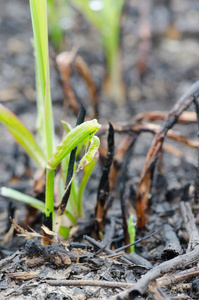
(38, 10)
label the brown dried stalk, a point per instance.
(118, 159)
(31, 234)
(83, 69)
(100, 283)
(144, 36)
(64, 61)
(104, 188)
(24, 275)
(67, 60)
(153, 128)
(178, 277)
(184, 118)
(147, 174)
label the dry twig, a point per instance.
(101, 283)
(157, 293)
(172, 247)
(178, 277)
(190, 225)
(141, 286)
(104, 187)
(24, 275)
(65, 61)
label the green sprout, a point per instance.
(105, 16)
(132, 231)
(43, 155)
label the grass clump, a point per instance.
(44, 153)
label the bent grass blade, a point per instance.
(87, 159)
(11, 193)
(38, 10)
(22, 135)
(77, 135)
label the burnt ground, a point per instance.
(172, 66)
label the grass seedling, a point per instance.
(132, 231)
(105, 16)
(43, 155)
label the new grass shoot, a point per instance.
(43, 153)
(132, 231)
(105, 16)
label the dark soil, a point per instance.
(172, 66)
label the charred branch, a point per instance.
(172, 247)
(103, 189)
(147, 174)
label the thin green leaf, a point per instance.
(132, 231)
(39, 22)
(49, 196)
(40, 38)
(67, 126)
(40, 110)
(64, 231)
(13, 194)
(23, 136)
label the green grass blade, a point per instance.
(40, 111)
(132, 231)
(77, 135)
(64, 168)
(49, 198)
(11, 193)
(49, 120)
(23, 136)
(39, 23)
(64, 231)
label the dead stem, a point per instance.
(190, 225)
(145, 184)
(103, 189)
(157, 292)
(178, 277)
(102, 283)
(180, 261)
